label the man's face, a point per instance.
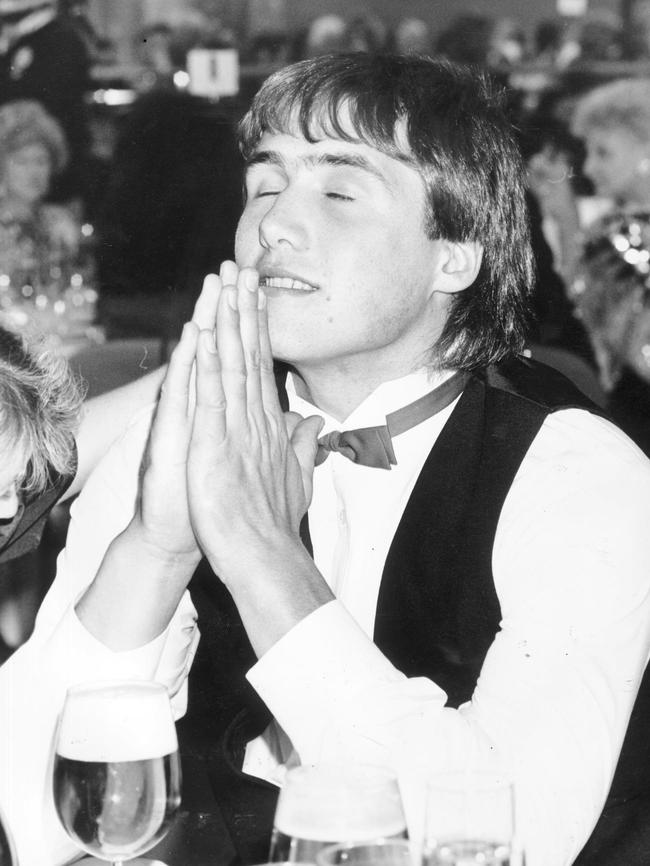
(336, 231)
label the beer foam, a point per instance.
(337, 804)
(123, 721)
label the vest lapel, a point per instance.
(438, 610)
(420, 601)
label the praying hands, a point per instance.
(226, 474)
(249, 466)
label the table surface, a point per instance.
(195, 839)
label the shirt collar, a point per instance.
(386, 398)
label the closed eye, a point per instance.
(339, 196)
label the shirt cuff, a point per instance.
(326, 684)
(79, 656)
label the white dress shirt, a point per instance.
(571, 563)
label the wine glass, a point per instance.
(324, 804)
(116, 768)
(470, 819)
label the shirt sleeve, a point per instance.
(571, 565)
(61, 652)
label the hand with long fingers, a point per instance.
(204, 315)
(163, 508)
(249, 471)
(152, 561)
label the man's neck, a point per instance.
(339, 393)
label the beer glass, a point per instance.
(117, 777)
(323, 804)
(470, 819)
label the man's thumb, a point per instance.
(305, 440)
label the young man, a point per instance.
(477, 589)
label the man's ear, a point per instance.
(458, 265)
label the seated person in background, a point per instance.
(605, 262)
(325, 34)
(611, 294)
(613, 122)
(44, 58)
(411, 36)
(473, 590)
(364, 33)
(34, 236)
(169, 213)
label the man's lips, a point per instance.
(285, 282)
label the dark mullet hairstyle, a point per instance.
(448, 123)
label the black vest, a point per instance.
(437, 614)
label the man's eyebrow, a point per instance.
(265, 157)
(347, 160)
(337, 160)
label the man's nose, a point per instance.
(284, 222)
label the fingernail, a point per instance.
(251, 281)
(261, 300)
(232, 299)
(228, 272)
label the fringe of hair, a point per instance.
(40, 402)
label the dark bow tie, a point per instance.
(372, 446)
